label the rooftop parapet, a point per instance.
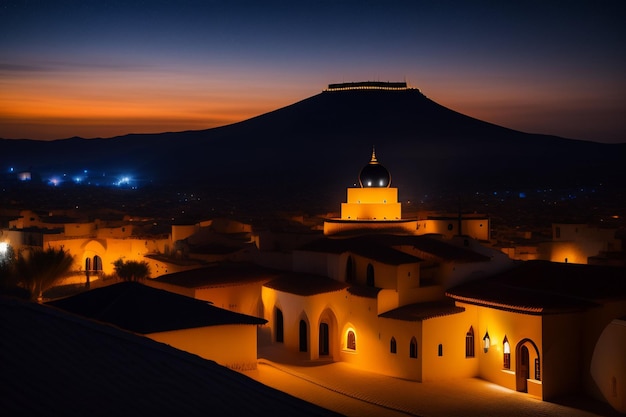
(368, 85)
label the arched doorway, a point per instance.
(526, 353)
(327, 342)
(324, 337)
(302, 332)
(522, 372)
(278, 327)
(349, 269)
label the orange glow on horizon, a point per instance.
(60, 106)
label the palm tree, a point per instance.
(131, 270)
(40, 269)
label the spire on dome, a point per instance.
(374, 174)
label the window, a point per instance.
(537, 370)
(392, 345)
(349, 270)
(506, 348)
(370, 275)
(413, 348)
(440, 350)
(97, 263)
(279, 326)
(351, 341)
(469, 343)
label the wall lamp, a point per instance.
(486, 342)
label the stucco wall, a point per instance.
(234, 346)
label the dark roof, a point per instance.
(305, 284)
(143, 309)
(541, 287)
(423, 311)
(380, 247)
(364, 291)
(220, 275)
(64, 365)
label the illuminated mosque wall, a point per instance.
(449, 226)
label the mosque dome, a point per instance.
(374, 174)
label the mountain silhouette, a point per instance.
(323, 141)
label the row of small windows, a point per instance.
(393, 347)
(413, 350)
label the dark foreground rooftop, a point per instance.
(58, 364)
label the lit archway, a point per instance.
(527, 364)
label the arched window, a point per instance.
(413, 348)
(351, 340)
(280, 335)
(88, 264)
(392, 345)
(97, 263)
(303, 336)
(370, 275)
(506, 349)
(469, 343)
(349, 270)
(440, 350)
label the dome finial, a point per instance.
(374, 174)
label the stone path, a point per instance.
(342, 388)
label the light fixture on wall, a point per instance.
(486, 342)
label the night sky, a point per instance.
(97, 68)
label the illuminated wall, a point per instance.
(443, 354)
(233, 345)
(110, 250)
(608, 366)
(371, 204)
(315, 309)
(520, 330)
(575, 243)
(241, 298)
(477, 228)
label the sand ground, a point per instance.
(342, 388)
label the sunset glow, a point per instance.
(101, 70)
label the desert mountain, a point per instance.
(324, 140)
